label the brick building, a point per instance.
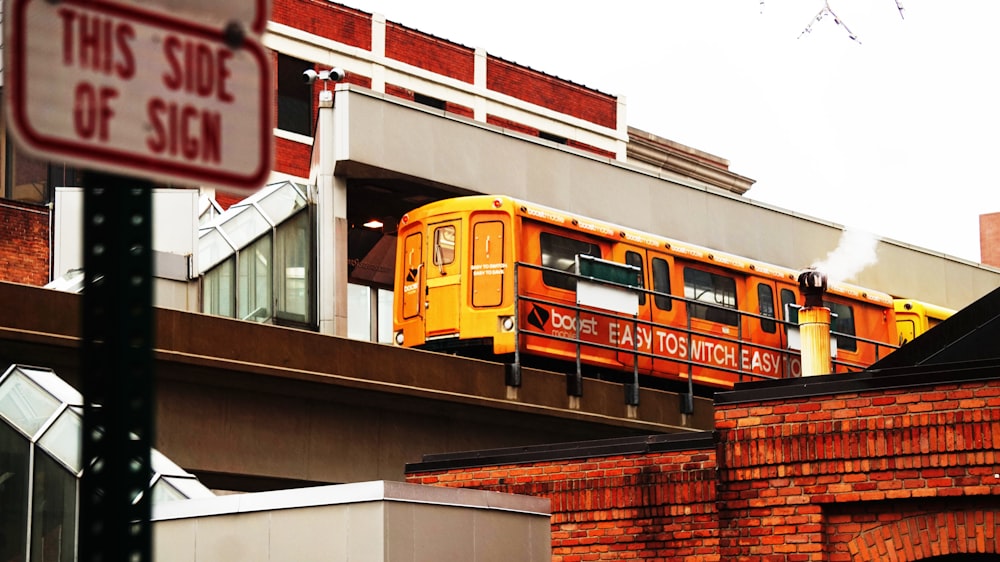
(901, 462)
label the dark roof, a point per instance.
(971, 334)
(565, 451)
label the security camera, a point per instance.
(333, 75)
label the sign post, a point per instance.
(130, 88)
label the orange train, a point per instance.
(505, 277)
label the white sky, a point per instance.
(897, 135)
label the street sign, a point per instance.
(109, 86)
(215, 13)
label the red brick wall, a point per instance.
(548, 91)
(658, 506)
(24, 243)
(292, 157)
(326, 19)
(430, 53)
(892, 474)
(825, 478)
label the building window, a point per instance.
(430, 101)
(294, 96)
(254, 281)
(218, 289)
(554, 138)
(292, 251)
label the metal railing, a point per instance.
(685, 362)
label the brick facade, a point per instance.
(24, 243)
(429, 52)
(904, 471)
(325, 19)
(449, 60)
(550, 92)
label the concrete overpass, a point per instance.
(248, 406)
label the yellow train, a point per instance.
(493, 275)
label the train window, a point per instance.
(718, 291)
(560, 253)
(843, 324)
(661, 284)
(444, 245)
(635, 260)
(765, 304)
(488, 266)
(789, 306)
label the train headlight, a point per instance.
(507, 323)
(399, 337)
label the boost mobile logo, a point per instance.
(538, 317)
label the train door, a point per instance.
(412, 300)
(634, 335)
(764, 354)
(443, 278)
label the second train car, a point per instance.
(495, 274)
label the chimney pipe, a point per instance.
(814, 324)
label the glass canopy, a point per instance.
(246, 221)
(41, 464)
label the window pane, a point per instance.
(294, 97)
(291, 255)
(53, 512)
(765, 303)
(13, 493)
(25, 177)
(254, 283)
(62, 439)
(217, 290)
(282, 203)
(789, 306)
(359, 312)
(245, 226)
(635, 259)
(24, 404)
(718, 291)
(444, 245)
(384, 316)
(661, 284)
(843, 323)
(560, 253)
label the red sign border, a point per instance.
(88, 154)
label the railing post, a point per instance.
(574, 384)
(632, 390)
(513, 370)
(687, 400)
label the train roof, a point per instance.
(672, 246)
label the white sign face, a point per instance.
(214, 13)
(110, 87)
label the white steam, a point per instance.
(855, 252)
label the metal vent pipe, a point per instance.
(814, 324)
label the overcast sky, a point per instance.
(896, 133)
